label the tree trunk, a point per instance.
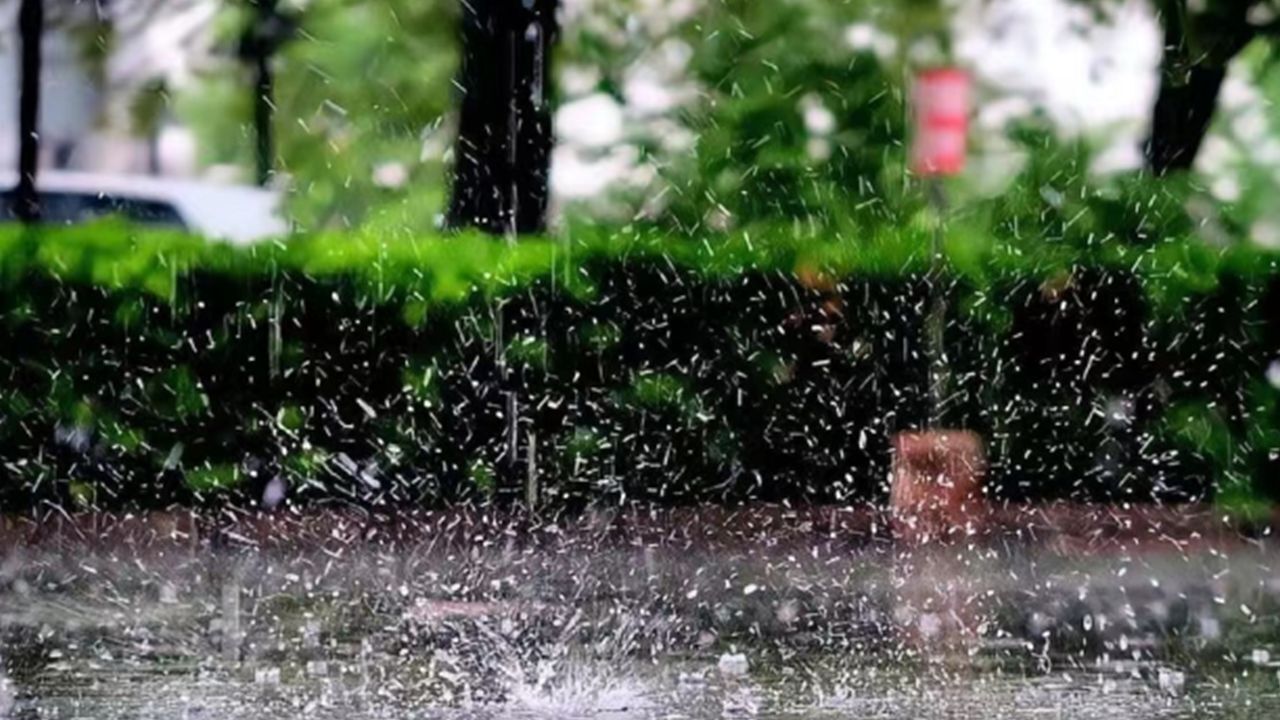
(263, 84)
(503, 151)
(267, 38)
(266, 34)
(30, 30)
(1190, 79)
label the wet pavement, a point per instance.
(861, 688)
(490, 624)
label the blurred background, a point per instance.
(656, 102)
(575, 357)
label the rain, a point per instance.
(640, 359)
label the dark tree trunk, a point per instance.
(1181, 119)
(263, 84)
(270, 30)
(1190, 80)
(30, 30)
(503, 152)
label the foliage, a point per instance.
(769, 363)
(1236, 458)
(765, 111)
(363, 88)
(367, 85)
(798, 125)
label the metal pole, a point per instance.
(531, 476)
(936, 321)
(512, 232)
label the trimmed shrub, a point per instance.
(144, 369)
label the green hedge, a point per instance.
(772, 362)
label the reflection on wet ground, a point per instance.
(490, 627)
(829, 686)
(102, 692)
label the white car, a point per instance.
(234, 213)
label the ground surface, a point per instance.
(470, 615)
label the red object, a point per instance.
(937, 485)
(941, 101)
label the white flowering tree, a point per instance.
(716, 114)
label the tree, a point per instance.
(792, 121)
(269, 29)
(359, 95)
(30, 31)
(503, 149)
(1199, 44)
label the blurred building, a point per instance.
(90, 116)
